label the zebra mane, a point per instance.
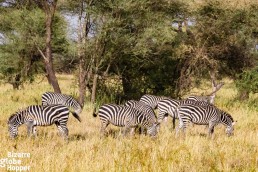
(12, 117)
(73, 99)
(227, 115)
(16, 113)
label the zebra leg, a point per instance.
(125, 130)
(34, 131)
(161, 116)
(211, 128)
(63, 130)
(142, 130)
(132, 131)
(165, 118)
(174, 122)
(29, 127)
(180, 127)
(181, 122)
(103, 128)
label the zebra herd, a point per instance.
(55, 110)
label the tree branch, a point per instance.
(43, 55)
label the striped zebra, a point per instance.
(37, 115)
(51, 98)
(125, 116)
(204, 115)
(142, 107)
(168, 107)
(151, 100)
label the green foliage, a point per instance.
(24, 32)
(248, 81)
(140, 43)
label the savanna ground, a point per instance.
(86, 151)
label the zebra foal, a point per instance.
(204, 115)
(51, 98)
(125, 116)
(37, 115)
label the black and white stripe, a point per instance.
(125, 116)
(204, 115)
(37, 115)
(147, 110)
(142, 107)
(51, 98)
(151, 100)
(168, 107)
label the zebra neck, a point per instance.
(225, 120)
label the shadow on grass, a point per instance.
(76, 137)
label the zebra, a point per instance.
(168, 107)
(204, 115)
(151, 100)
(142, 107)
(125, 116)
(37, 115)
(50, 98)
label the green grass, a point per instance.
(86, 151)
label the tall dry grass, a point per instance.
(86, 151)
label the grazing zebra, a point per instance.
(125, 116)
(142, 107)
(151, 100)
(204, 115)
(37, 115)
(51, 98)
(168, 107)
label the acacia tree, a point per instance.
(20, 58)
(221, 42)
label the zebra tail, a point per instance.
(94, 113)
(76, 116)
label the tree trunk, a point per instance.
(82, 64)
(215, 87)
(82, 83)
(94, 88)
(48, 59)
(84, 72)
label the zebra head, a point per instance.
(153, 130)
(14, 122)
(228, 121)
(230, 129)
(76, 105)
